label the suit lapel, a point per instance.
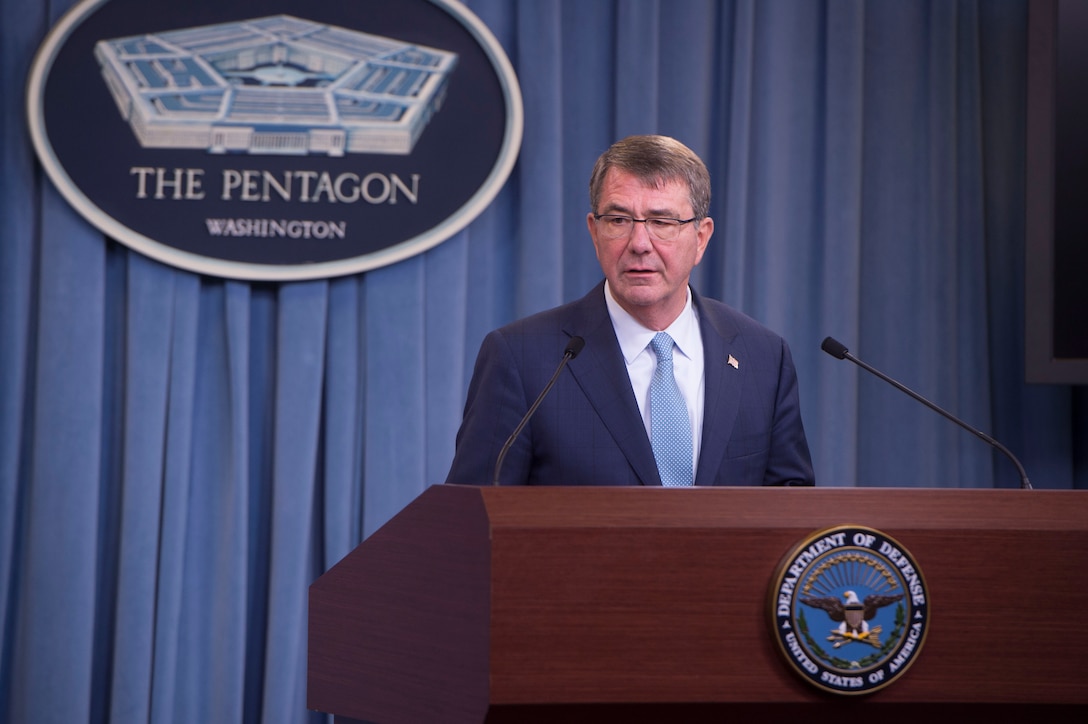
(602, 375)
(722, 395)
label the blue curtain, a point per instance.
(180, 456)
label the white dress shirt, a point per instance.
(687, 362)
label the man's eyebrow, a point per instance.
(652, 213)
(616, 209)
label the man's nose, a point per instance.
(640, 241)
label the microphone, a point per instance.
(838, 350)
(574, 346)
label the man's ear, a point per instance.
(702, 238)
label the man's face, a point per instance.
(648, 277)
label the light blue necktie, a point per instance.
(670, 427)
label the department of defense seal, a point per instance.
(850, 609)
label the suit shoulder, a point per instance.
(569, 317)
(728, 318)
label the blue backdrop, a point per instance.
(180, 456)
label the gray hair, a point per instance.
(655, 161)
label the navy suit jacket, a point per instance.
(588, 430)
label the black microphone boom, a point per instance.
(838, 350)
(574, 346)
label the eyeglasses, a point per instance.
(618, 226)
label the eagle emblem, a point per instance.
(853, 616)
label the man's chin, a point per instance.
(640, 295)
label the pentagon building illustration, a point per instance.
(275, 85)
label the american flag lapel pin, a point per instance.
(732, 362)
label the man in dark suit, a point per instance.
(721, 387)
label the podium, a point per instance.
(572, 604)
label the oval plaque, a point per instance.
(277, 142)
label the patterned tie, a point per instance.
(670, 427)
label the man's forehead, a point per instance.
(620, 184)
(618, 179)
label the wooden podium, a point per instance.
(572, 604)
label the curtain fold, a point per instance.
(180, 455)
(59, 516)
(300, 367)
(540, 201)
(835, 293)
(175, 506)
(149, 319)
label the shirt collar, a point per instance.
(634, 337)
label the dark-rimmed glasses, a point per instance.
(620, 226)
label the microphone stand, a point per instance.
(573, 348)
(836, 349)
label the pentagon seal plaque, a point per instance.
(850, 610)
